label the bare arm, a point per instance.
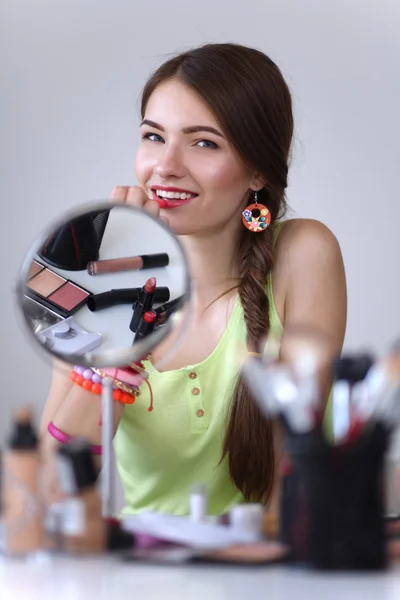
(310, 286)
(73, 410)
(61, 384)
(311, 273)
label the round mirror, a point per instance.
(103, 286)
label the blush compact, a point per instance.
(54, 291)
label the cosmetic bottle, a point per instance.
(83, 529)
(198, 503)
(249, 519)
(22, 509)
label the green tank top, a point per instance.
(161, 454)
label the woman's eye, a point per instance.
(206, 144)
(153, 137)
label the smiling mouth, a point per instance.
(172, 199)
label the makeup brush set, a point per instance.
(332, 513)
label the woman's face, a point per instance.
(185, 162)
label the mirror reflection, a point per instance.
(103, 286)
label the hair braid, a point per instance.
(253, 473)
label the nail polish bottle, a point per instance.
(22, 508)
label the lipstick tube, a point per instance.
(144, 303)
(123, 296)
(165, 310)
(128, 263)
(146, 325)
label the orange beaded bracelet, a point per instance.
(90, 381)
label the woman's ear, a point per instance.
(257, 183)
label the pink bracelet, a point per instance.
(64, 438)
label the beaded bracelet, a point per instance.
(138, 366)
(64, 438)
(124, 386)
(89, 380)
(121, 377)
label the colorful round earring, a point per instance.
(256, 217)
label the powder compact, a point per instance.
(53, 291)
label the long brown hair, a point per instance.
(252, 103)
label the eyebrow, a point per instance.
(193, 129)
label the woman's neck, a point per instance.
(212, 264)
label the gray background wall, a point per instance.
(71, 72)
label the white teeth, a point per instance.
(174, 195)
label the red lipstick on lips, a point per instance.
(171, 202)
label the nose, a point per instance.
(170, 164)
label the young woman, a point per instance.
(216, 136)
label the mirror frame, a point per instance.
(109, 358)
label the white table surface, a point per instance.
(109, 579)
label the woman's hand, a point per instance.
(135, 196)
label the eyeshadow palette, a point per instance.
(53, 291)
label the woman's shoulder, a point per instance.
(308, 260)
(302, 242)
(305, 235)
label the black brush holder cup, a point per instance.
(332, 504)
(76, 243)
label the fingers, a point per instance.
(152, 207)
(119, 194)
(127, 194)
(135, 196)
